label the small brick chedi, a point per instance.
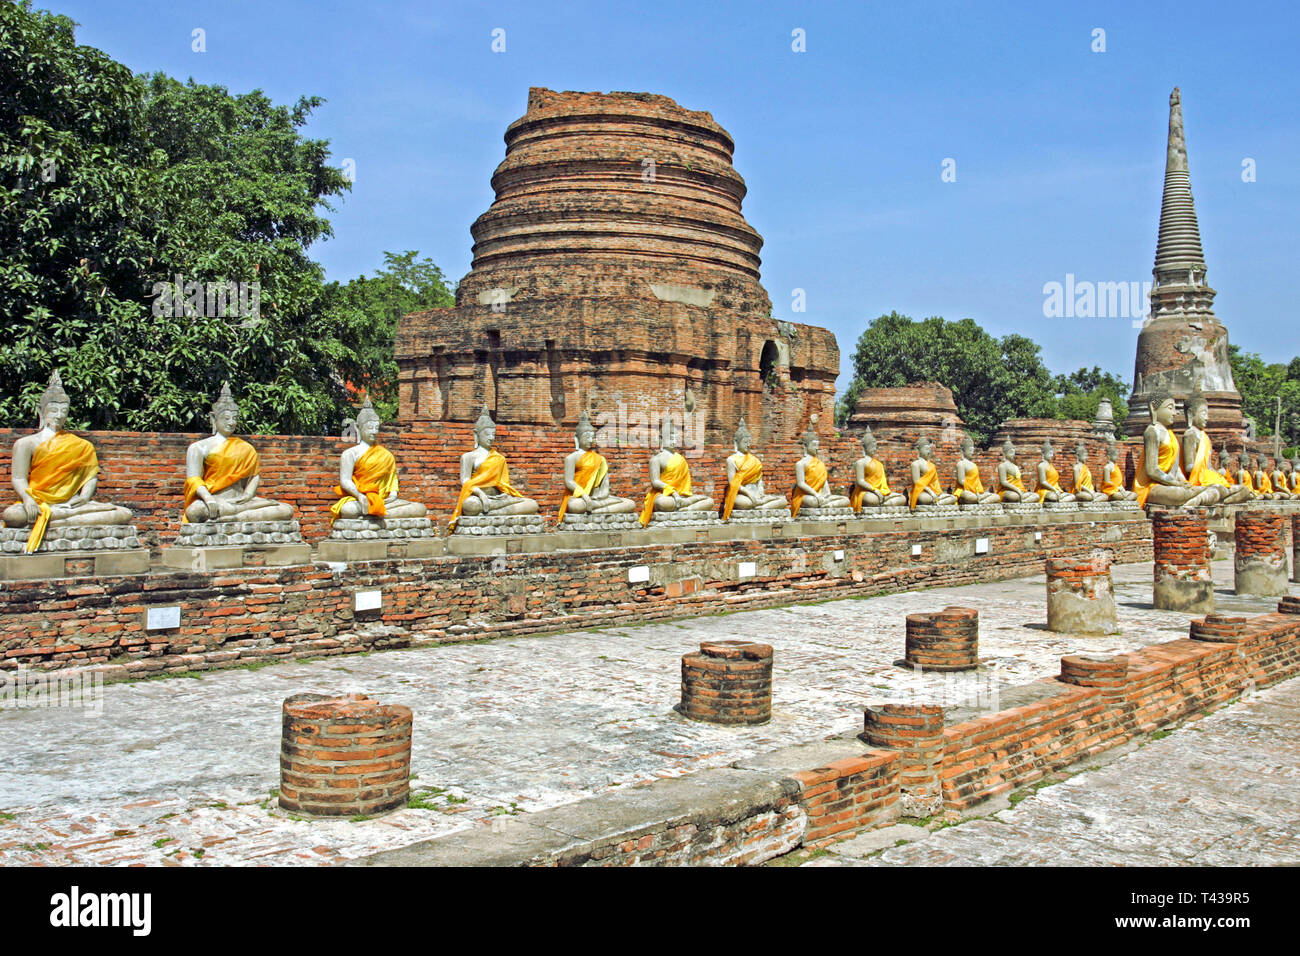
(1260, 559)
(946, 640)
(344, 756)
(1080, 596)
(1183, 578)
(728, 682)
(614, 270)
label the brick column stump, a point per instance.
(728, 682)
(916, 731)
(1260, 561)
(1109, 674)
(1218, 629)
(1295, 548)
(946, 640)
(1080, 598)
(344, 756)
(1183, 579)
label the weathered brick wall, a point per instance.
(230, 617)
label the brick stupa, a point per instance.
(1183, 345)
(615, 271)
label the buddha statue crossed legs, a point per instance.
(1011, 485)
(1112, 476)
(586, 478)
(670, 478)
(485, 487)
(55, 474)
(969, 489)
(368, 476)
(810, 480)
(1159, 479)
(745, 491)
(870, 483)
(1196, 449)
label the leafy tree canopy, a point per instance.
(1261, 384)
(991, 379)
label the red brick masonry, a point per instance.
(344, 756)
(728, 682)
(946, 640)
(1094, 705)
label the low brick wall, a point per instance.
(233, 617)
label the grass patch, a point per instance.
(1161, 734)
(7, 816)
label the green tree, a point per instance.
(1261, 384)
(1081, 392)
(991, 379)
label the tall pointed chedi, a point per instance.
(1182, 345)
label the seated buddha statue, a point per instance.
(969, 489)
(1196, 448)
(1281, 481)
(810, 479)
(368, 476)
(1159, 479)
(1263, 483)
(926, 488)
(1084, 489)
(1112, 476)
(1011, 485)
(222, 473)
(1225, 465)
(670, 478)
(1049, 479)
(586, 478)
(485, 487)
(1293, 477)
(55, 474)
(870, 484)
(745, 491)
(1242, 475)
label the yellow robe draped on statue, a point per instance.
(375, 475)
(929, 480)
(1202, 474)
(1280, 486)
(814, 476)
(876, 479)
(1243, 478)
(492, 472)
(1113, 484)
(1015, 480)
(972, 483)
(676, 476)
(590, 471)
(59, 468)
(748, 470)
(1165, 461)
(1265, 486)
(1053, 478)
(1295, 483)
(234, 461)
(1085, 481)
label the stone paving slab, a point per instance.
(503, 728)
(1220, 791)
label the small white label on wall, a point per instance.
(162, 618)
(916, 550)
(981, 545)
(748, 569)
(839, 555)
(1038, 536)
(369, 600)
(638, 575)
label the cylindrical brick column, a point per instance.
(344, 756)
(916, 731)
(1260, 562)
(1218, 629)
(1183, 580)
(728, 682)
(946, 640)
(1109, 674)
(1295, 548)
(1289, 605)
(1080, 599)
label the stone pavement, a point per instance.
(1220, 791)
(182, 770)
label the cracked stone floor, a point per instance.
(181, 770)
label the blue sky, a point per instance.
(1058, 150)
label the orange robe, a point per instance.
(748, 470)
(972, 483)
(676, 476)
(1295, 482)
(1053, 477)
(814, 476)
(375, 475)
(1243, 478)
(1165, 461)
(1264, 486)
(1017, 482)
(590, 471)
(60, 466)
(1085, 481)
(1278, 480)
(928, 480)
(492, 472)
(1115, 483)
(234, 461)
(1202, 474)
(876, 479)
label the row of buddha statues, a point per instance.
(55, 476)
